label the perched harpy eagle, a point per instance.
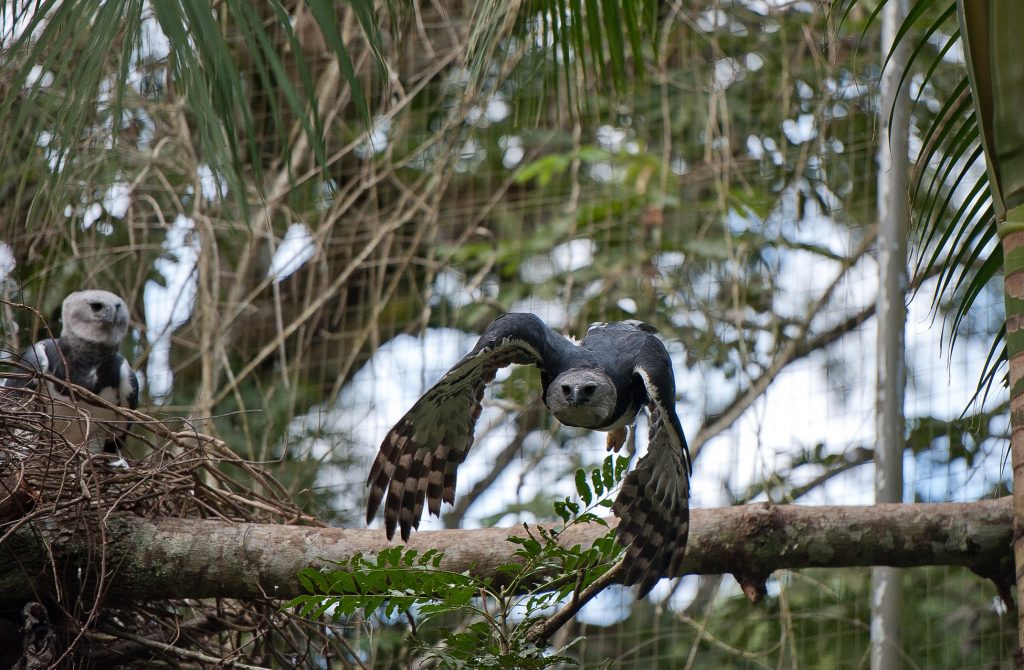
(86, 354)
(600, 383)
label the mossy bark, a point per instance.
(131, 559)
(1011, 234)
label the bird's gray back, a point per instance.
(615, 347)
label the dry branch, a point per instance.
(162, 558)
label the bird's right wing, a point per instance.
(419, 456)
(43, 356)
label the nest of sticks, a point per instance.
(178, 472)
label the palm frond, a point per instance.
(954, 217)
(99, 69)
(600, 43)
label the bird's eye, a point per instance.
(96, 306)
(589, 389)
(566, 390)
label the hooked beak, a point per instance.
(573, 394)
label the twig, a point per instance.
(184, 653)
(540, 632)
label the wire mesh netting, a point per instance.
(292, 300)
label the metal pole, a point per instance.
(893, 219)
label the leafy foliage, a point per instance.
(206, 69)
(494, 617)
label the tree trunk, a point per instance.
(153, 559)
(893, 221)
(1012, 235)
(992, 48)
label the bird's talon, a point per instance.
(616, 439)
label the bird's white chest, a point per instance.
(627, 419)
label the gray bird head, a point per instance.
(95, 317)
(583, 397)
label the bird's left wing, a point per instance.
(654, 502)
(129, 382)
(419, 456)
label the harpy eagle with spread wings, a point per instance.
(93, 325)
(600, 383)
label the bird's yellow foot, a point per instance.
(616, 439)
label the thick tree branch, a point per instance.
(188, 558)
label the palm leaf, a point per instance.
(596, 40)
(203, 66)
(953, 211)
